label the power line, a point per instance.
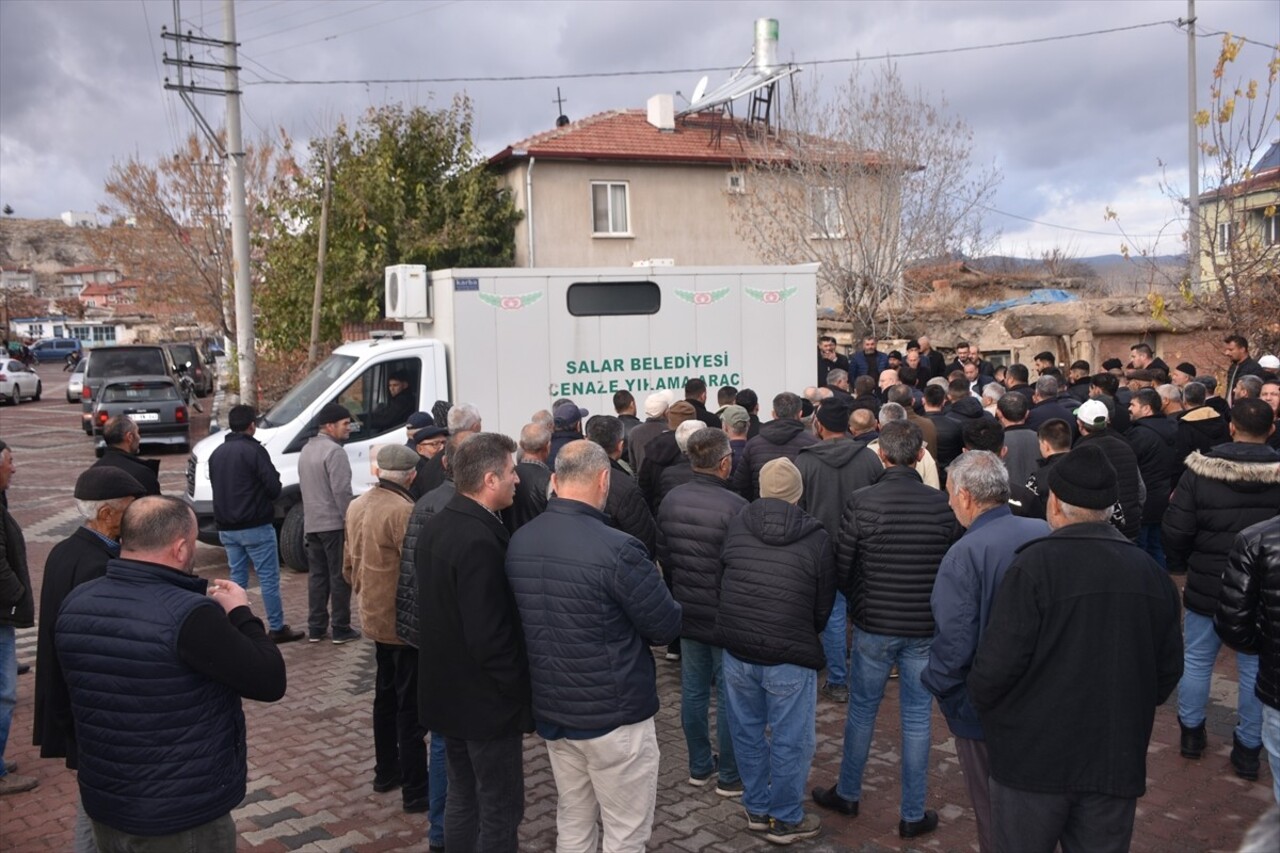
(322, 20)
(1061, 227)
(170, 117)
(514, 78)
(348, 32)
(255, 8)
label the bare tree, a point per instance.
(170, 227)
(1237, 276)
(871, 180)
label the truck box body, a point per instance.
(518, 339)
(512, 341)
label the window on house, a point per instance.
(735, 183)
(80, 333)
(1271, 229)
(824, 211)
(104, 334)
(609, 213)
(1226, 236)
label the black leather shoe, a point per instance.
(1193, 740)
(24, 668)
(381, 786)
(1245, 760)
(417, 806)
(916, 828)
(285, 634)
(829, 799)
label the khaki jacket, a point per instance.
(375, 528)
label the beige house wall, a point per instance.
(680, 212)
(1247, 214)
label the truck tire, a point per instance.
(292, 544)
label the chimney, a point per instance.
(662, 112)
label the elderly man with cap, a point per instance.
(427, 442)
(102, 495)
(375, 528)
(324, 476)
(416, 422)
(662, 452)
(568, 427)
(245, 487)
(1182, 374)
(737, 423)
(654, 424)
(775, 552)
(1048, 663)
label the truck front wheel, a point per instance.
(293, 552)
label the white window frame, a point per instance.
(1226, 236)
(832, 199)
(626, 196)
(735, 182)
(1271, 229)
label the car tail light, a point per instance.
(103, 417)
(4, 377)
(85, 393)
(180, 414)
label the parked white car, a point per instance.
(17, 381)
(75, 382)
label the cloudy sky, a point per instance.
(1075, 124)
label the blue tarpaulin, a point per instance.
(1037, 297)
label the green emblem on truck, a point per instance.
(770, 295)
(705, 298)
(510, 303)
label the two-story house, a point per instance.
(73, 279)
(17, 279)
(1240, 225)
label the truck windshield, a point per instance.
(305, 393)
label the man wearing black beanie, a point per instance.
(1049, 662)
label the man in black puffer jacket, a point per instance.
(892, 540)
(1248, 620)
(691, 528)
(783, 436)
(778, 553)
(1222, 492)
(590, 605)
(626, 508)
(1152, 436)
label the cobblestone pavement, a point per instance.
(311, 754)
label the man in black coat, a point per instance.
(1092, 421)
(1199, 428)
(892, 539)
(625, 509)
(534, 475)
(949, 430)
(1242, 364)
(775, 552)
(785, 435)
(102, 495)
(662, 452)
(1048, 663)
(1222, 492)
(17, 610)
(691, 527)
(1152, 435)
(473, 683)
(695, 394)
(123, 442)
(829, 359)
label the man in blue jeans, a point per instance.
(892, 539)
(17, 610)
(776, 552)
(245, 485)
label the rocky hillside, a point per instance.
(44, 245)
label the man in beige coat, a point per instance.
(375, 528)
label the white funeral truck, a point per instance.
(512, 341)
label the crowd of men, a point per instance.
(984, 540)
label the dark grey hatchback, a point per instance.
(154, 403)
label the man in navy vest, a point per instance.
(152, 641)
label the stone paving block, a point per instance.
(304, 839)
(700, 840)
(268, 820)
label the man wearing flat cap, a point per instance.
(324, 476)
(1066, 717)
(375, 528)
(427, 442)
(102, 495)
(417, 421)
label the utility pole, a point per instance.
(232, 153)
(246, 353)
(313, 352)
(1193, 155)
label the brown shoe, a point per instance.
(285, 634)
(11, 783)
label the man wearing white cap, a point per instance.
(655, 423)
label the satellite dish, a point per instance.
(698, 91)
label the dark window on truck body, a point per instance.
(613, 298)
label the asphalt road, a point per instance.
(311, 754)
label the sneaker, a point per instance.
(344, 635)
(916, 828)
(284, 634)
(729, 789)
(11, 783)
(756, 822)
(835, 692)
(829, 799)
(790, 833)
(314, 637)
(1245, 760)
(702, 780)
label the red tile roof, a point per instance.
(627, 135)
(84, 269)
(96, 289)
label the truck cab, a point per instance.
(356, 376)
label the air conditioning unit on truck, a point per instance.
(511, 341)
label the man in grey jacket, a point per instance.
(324, 475)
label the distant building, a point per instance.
(1240, 224)
(73, 279)
(17, 279)
(123, 293)
(75, 219)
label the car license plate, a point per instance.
(144, 417)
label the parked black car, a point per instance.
(118, 362)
